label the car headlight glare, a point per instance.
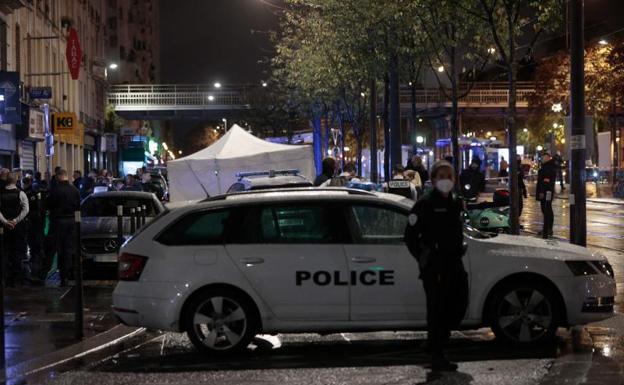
(579, 268)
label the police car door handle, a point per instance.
(363, 259)
(252, 261)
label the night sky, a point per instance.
(211, 40)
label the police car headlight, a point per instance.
(580, 268)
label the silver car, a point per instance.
(99, 225)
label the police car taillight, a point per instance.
(130, 266)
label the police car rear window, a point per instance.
(199, 228)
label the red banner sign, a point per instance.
(74, 54)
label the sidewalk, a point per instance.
(601, 193)
(39, 321)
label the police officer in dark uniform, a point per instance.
(472, 180)
(400, 185)
(63, 202)
(545, 192)
(434, 236)
(38, 262)
(13, 216)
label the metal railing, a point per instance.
(139, 97)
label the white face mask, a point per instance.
(444, 185)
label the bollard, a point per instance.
(2, 342)
(144, 217)
(138, 217)
(79, 316)
(119, 227)
(132, 221)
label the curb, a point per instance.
(91, 349)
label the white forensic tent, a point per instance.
(212, 171)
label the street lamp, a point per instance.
(217, 85)
(539, 148)
(225, 124)
(264, 84)
(113, 66)
(420, 139)
(603, 42)
(525, 130)
(441, 69)
(210, 98)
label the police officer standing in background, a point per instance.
(13, 216)
(38, 263)
(63, 202)
(400, 185)
(545, 192)
(434, 236)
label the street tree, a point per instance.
(456, 49)
(515, 26)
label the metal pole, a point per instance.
(2, 342)
(132, 221)
(119, 227)
(79, 316)
(138, 217)
(578, 224)
(144, 217)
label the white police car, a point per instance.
(333, 260)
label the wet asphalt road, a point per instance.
(590, 355)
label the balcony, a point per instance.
(10, 6)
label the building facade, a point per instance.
(34, 36)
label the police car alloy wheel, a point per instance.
(218, 321)
(525, 313)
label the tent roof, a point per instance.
(237, 143)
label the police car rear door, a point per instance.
(386, 285)
(292, 255)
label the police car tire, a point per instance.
(524, 290)
(229, 299)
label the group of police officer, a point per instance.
(23, 210)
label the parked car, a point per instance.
(99, 243)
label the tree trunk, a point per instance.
(454, 112)
(395, 114)
(386, 121)
(317, 141)
(414, 117)
(372, 123)
(512, 137)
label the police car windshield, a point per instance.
(476, 234)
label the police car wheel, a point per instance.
(525, 313)
(219, 321)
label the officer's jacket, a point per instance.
(546, 180)
(434, 233)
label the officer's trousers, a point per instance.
(38, 261)
(549, 217)
(15, 248)
(64, 235)
(446, 289)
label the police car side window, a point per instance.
(290, 224)
(200, 228)
(378, 225)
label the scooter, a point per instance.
(489, 217)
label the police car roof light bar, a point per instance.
(269, 173)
